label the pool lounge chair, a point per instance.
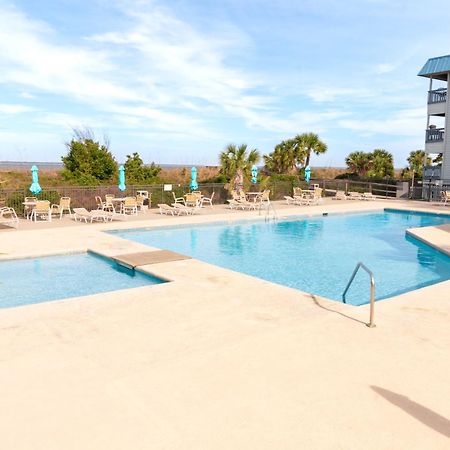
(91, 216)
(368, 196)
(354, 196)
(9, 217)
(188, 210)
(167, 209)
(235, 204)
(289, 200)
(340, 195)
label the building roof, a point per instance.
(437, 68)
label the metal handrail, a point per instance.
(371, 323)
(268, 208)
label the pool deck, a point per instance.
(220, 360)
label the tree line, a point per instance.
(90, 162)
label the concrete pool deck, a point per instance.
(220, 360)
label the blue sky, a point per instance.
(176, 81)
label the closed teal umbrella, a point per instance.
(35, 189)
(307, 174)
(254, 174)
(194, 184)
(122, 186)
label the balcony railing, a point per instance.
(437, 96)
(434, 135)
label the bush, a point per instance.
(88, 162)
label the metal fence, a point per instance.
(84, 196)
(429, 191)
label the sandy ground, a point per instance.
(219, 360)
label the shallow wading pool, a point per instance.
(36, 280)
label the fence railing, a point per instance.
(437, 96)
(434, 135)
(84, 196)
(379, 189)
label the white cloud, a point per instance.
(409, 122)
(11, 108)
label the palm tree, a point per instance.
(310, 143)
(359, 162)
(237, 162)
(416, 160)
(283, 159)
(382, 164)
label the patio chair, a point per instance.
(99, 202)
(167, 209)
(340, 195)
(208, 200)
(264, 197)
(130, 206)
(178, 199)
(9, 217)
(140, 202)
(445, 197)
(42, 210)
(109, 204)
(64, 205)
(191, 200)
(27, 210)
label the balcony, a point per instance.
(434, 135)
(432, 172)
(437, 96)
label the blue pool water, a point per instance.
(27, 281)
(316, 255)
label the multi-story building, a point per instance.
(437, 134)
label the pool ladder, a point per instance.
(268, 209)
(360, 265)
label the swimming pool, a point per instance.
(36, 280)
(317, 254)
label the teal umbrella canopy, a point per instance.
(122, 186)
(254, 174)
(35, 189)
(194, 184)
(307, 174)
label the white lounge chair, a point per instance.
(91, 216)
(354, 196)
(289, 200)
(9, 217)
(188, 210)
(167, 209)
(368, 196)
(235, 204)
(340, 195)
